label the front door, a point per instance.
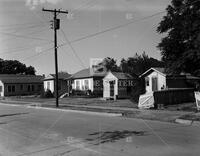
(111, 88)
(154, 83)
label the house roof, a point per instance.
(86, 73)
(61, 75)
(163, 72)
(157, 69)
(11, 78)
(122, 76)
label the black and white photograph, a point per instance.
(99, 77)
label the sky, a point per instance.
(26, 34)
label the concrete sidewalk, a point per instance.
(159, 115)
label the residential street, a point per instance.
(31, 131)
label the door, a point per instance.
(154, 83)
(111, 88)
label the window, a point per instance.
(59, 85)
(33, 88)
(147, 81)
(13, 88)
(9, 89)
(77, 85)
(29, 88)
(48, 85)
(0, 88)
(86, 84)
(21, 87)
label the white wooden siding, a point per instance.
(161, 81)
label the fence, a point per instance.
(174, 96)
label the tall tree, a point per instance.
(180, 49)
(139, 64)
(15, 67)
(110, 64)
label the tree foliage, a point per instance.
(15, 67)
(139, 64)
(110, 64)
(180, 49)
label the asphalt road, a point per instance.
(28, 131)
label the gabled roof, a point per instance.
(12, 78)
(86, 73)
(157, 69)
(122, 76)
(61, 75)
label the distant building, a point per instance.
(157, 79)
(17, 85)
(63, 85)
(118, 85)
(86, 80)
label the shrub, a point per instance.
(138, 90)
(47, 94)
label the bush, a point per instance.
(138, 90)
(47, 94)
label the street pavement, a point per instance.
(36, 131)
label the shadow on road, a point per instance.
(108, 136)
(14, 114)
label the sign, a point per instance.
(146, 101)
(197, 98)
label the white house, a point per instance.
(118, 85)
(157, 79)
(85, 80)
(63, 84)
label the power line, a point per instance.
(17, 49)
(22, 28)
(26, 37)
(19, 24)
(113, 28)
(72, 48)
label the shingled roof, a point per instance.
(86, 73)
(122, 76)
(11, 78)
(61, 75)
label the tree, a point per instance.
(139, 64)
(110, 64)
(180, 49)
(15, 67)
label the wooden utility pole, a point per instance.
(56, 26)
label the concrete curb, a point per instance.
(183, 121)
(38, 106)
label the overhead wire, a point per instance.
(72, 48)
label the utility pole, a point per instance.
(56, 26)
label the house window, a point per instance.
(86, 84)
(29, 88)
(77, 85)
(59, 85)
(0, 88)
(9, 89)
(21, 87)
(147, 81)
(13, 88)
(48, 85)
(33, 88)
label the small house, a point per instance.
(157, 79)
(118, 85)
(17, 85)
(88, 81)
(63, 85)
